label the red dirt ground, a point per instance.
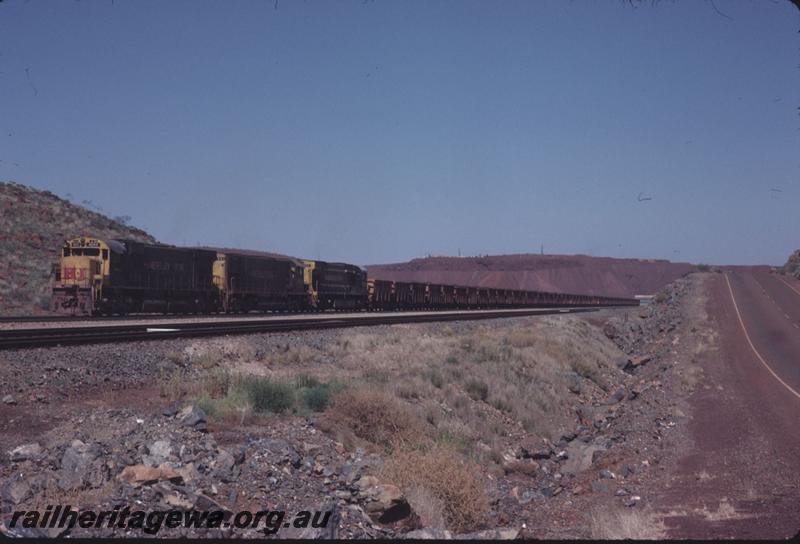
(745, 428)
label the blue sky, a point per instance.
(384, 130)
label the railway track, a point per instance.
(60, 336)
(128, 317)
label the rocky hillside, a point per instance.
(33, 226)
(792, 265)
(561, 273)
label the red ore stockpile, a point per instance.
(579, 274)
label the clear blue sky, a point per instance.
(383, 130)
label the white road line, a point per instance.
(747, 336)
(789, 285)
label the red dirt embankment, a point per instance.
(578, 274)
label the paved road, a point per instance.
(741, 476)
(770, 314)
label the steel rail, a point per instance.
(133, 317)
(61, 336)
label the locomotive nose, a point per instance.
(76, 271)
(76, 284)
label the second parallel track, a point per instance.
(61, 336)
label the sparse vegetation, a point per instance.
(457, 389)
(267, 395)
(316, 395)
(220, 392)
(792, 266)
(626, 525)
(524, 373)
(376, 416)
(477, 389)
(436, 378)
(442, 484)
(207, 360)
(708, 268)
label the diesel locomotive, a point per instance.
(94, 276)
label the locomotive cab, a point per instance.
(79, 274)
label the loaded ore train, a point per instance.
(104, 277)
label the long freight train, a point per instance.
(103, 277)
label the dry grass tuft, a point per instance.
(180, 384)
(427, 506)
(442, 483)
(626, 525)
(377, 416)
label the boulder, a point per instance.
(389, 505)
(606, 474)
(631, 501)
(194, 417)
(428, 534)
(24, 452)
(580, 457)
(366, 482)
(527, 467)
(225, 467)
(617, 396)
(636, 361)
(533, 449)
(138, 475)
(600, 487)
(206, 503)
(161, 449)
(188, 472)
(16, 490)
(622, 362)
(172, 409)
(282, 452)
(76, 465)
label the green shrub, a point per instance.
(208, 405)
(477, 389)
(304, 380)
(455, 440)
(267, 395)
(317, 398)
(502, 404)
(436, 379)
(376, 375)
(207, 360)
